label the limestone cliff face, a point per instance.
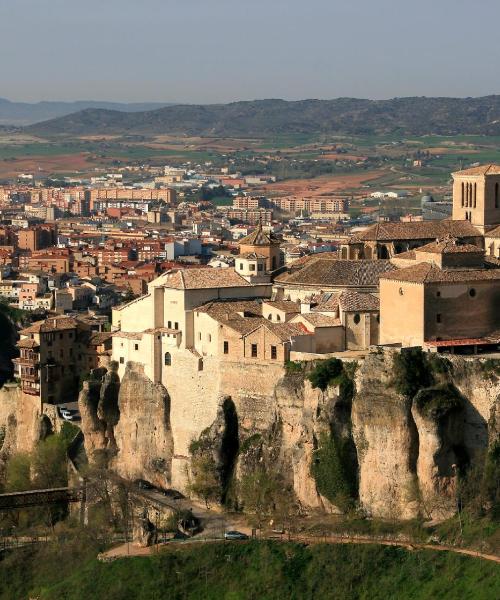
(400, 450)
(386, 441)
(142, 434)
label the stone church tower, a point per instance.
(476, 196)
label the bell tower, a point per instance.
(476, 196)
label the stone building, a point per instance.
(55, 352)
(449, 298)
(263, 244)
(386, 240)
(476, 196)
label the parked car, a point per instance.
(235, 535)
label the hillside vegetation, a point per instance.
(264, 570)
(415, 116)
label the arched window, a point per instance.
(357, 318)
(475, 194)
(278, 318)
(463, 196)
(168, 359)
(270, 317)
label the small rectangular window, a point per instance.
(169, 324)
(274, 354)
(254, 350)
(209, 337)
(252, 267)
(226, 347)
(199, 336)
(136, 346)
(438, 318)
(122, 360)
(176, 325)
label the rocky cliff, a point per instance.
(390, 438)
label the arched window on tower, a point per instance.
(463, 195)
(168, 359)
(475, 193)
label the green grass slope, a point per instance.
(255, 570)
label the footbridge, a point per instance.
(15, 500)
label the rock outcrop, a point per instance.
(361, 442)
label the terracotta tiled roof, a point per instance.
(258, 238)
(416, 230)
(128, 335)
(284, 305)
(355, 302)
(27, 343)
(324, 272)
(490, 169)
(319, 320)
(284, 331)
(449, 245)
(96, 339)
(428, 273)
(51, 324)
(493, 233)
(199, 278)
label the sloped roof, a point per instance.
(319, 320)
(489, 169)
(51, 324)
(355, 302)
(428, 273)
(327, 272)
(493, 233)
(200, 278)
(415, 230)
(450, 245)
(258, 238)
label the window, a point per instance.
(199, 336)
(270, 317)
(168, 359)
(463, 198)
(438, 318)
(122, 360)
(60, 336)
(136, 346)
(209, 337)
(438, 294)
(241, 266)
(274, 353)
(252, 267)
(278, 318)
(254, 350)
(496, 196)
(71, 351)
(226, 347)
(169, 325)
(260, 267)
(472, 293)
(357, 318)
(70, 335)
(176, 325)
(61, 353)
(401, 291)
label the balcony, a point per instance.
(33, 390)
(35, 378)
(29, 359)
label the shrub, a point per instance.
(293, 366)
(411, 372)
(436, 402)
(335, 479)
(325, 373)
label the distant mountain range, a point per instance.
(25, 113)
(405, 116)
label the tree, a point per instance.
(204, 481)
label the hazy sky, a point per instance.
(222, 50)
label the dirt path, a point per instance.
(132, 549)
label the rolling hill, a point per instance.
(25, 113)
(413, 116)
